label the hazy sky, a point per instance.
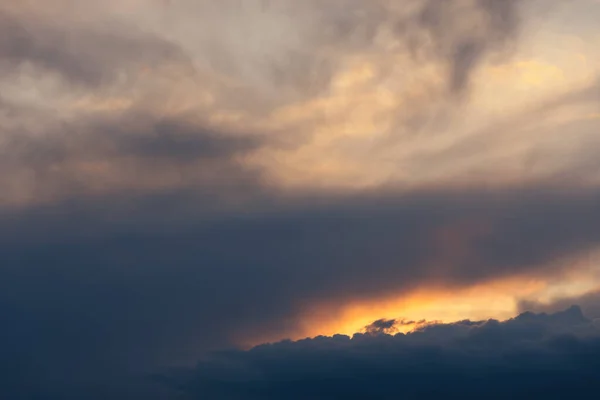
(179, 176)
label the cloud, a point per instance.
(543, 355)
(381, 326)
(139, 221)
(282, 80)
(79, 54)
(134, 282)
(294, 56)
(465, 41)
(131, 152)
(589, 302)
(301, 44)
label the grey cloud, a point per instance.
(134, 134)
(296, 54)
(176, 141)
(440, 31)
(57, 157)
(298, 49)
(90, 55)
(465, 46)
(547, 356)
(110, 57)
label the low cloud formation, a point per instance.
(543, 355)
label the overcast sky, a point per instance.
(184, 176)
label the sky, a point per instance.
(183, 177)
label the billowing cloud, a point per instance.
(548, 356)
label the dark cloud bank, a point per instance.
(105, 287)
(531, 356)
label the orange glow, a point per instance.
(493, 300)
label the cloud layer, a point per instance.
(135, 285)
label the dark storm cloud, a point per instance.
(543, 356)
(135, 282)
